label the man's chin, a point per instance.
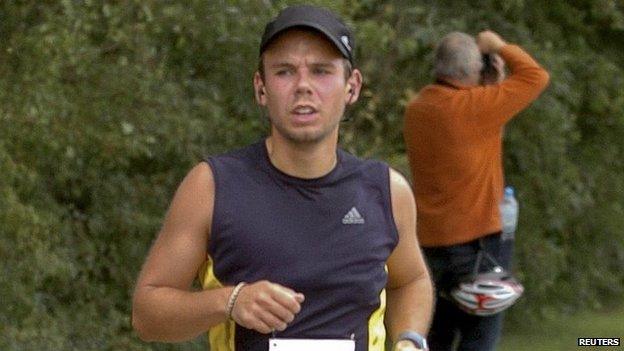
(305, 137)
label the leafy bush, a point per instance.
(104, 106)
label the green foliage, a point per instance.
(561, 332)
(105, 105)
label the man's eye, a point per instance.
(321, 71)
(284, 72)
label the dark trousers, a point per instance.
(452, 328)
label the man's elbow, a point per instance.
(140, 327)
(144, 322)
(544, 78)
(148, 327)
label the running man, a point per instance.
(292, 237)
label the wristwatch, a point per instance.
(416, 338)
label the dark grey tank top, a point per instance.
(328, 238)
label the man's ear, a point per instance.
(354, 85)
(259, 90)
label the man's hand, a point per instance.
(405, 345)
(266, 307)
(495, 73)
(489, 42)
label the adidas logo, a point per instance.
(353, 217)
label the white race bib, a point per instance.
(311, 345)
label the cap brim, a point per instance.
(339, 45)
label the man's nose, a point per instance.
(304, 84)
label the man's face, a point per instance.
(304, 87)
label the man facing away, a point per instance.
(453, 133)
(294, 240)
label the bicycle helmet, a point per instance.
(488, 293)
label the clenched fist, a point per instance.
(265, 307)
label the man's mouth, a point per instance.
(304, 110)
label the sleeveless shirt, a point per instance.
(328, 238)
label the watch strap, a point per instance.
(414, 337)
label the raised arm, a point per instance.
(410, 291)
(498, 103)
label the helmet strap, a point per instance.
(483, 253)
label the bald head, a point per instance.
(458, 57)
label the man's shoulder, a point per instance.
(240, 161)
(430, 97)
(423, 92)
(369, 170)
(240, 154)
(352, 160)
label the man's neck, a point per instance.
(302, 160)
(459, 83)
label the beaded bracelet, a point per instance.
(232, 299)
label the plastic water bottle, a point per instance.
(509, 213)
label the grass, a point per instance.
(562, 334)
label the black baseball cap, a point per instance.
(320, 19)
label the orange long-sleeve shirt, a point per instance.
(453, 135)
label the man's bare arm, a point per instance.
(494, 105)
(165, 308)
(410, 291)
